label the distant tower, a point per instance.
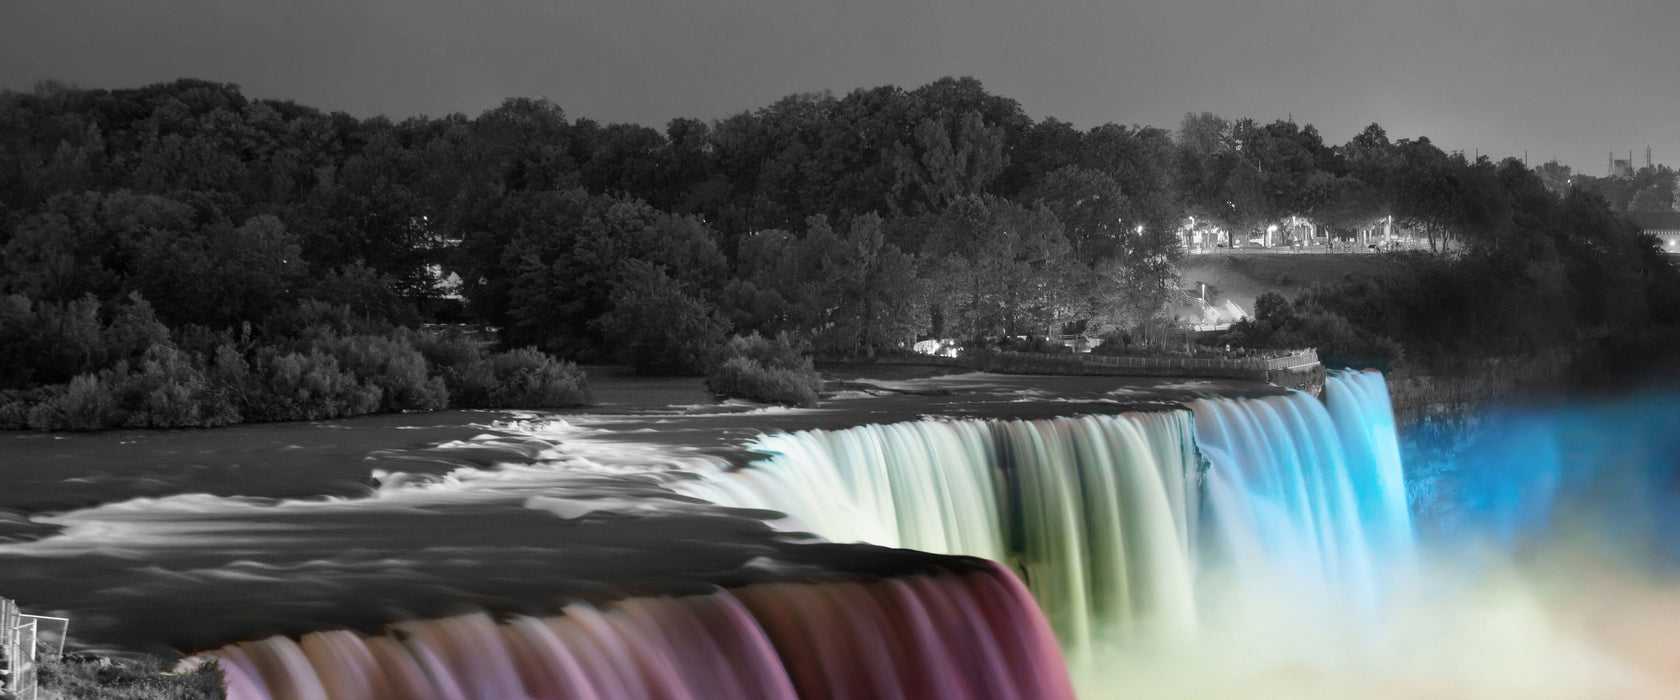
(1648, 156)
(1621, 168)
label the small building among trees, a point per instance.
(1665, 225)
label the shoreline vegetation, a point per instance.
(128, 370)
(181, 255)
(144, 678)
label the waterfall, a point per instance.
(970, 635)
(1096, 513)
(1109, 518)
(1102, 531)
(1312, 491)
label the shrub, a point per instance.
(298, 386)
(739, 377)
(526, 378)
(230, 376)
(164, 389)
(1032, 343)
(761, 369)
(167, 390)
(1312, 322)
(83, 404)
(783, 351)
(445, 351)
(15, 405)
(462, 364)
(393, 365)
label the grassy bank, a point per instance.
(148, 678)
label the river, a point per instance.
(176, 541)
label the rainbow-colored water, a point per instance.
(1253, 547)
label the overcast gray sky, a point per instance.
(1566, 78)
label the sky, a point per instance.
(1570, 79)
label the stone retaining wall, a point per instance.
(1297, 370)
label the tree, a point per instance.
(1216, 182)
(525, 144)
(996, 268)
(1558, 178)
(876, 296)
(947, 160)
(563, 262)
(86, 243)
(1091, 207)
(1427, 191)
(656, 326)
(1141, 161)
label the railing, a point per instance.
(1298, 358)
(20, 636)
(1244, 366)
(17, 652)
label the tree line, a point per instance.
(855, 224)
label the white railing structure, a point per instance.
(1297, 358)
(20, 636)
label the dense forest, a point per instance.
(180, 254)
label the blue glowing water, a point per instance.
(1604, 474)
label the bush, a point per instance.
(15, 405)
(298, 386)
(522, 378)
(462, 364)
(526, 378)
(760, 369)
(1308, 322)
(329, 377)
(1032, 343)
(393, 365)
(166, 391)
(83, 404)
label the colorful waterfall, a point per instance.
(1096, 513)
(970, 635)
(1308, 490)
(1108, 518)
(1103, 530)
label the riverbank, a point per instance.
(1299, 369)
(1606, 366)
(1497, 380)
(146, 677)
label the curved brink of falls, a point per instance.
(1310, 491)
(972, 635)
(1110, 518)
(1112, 522)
